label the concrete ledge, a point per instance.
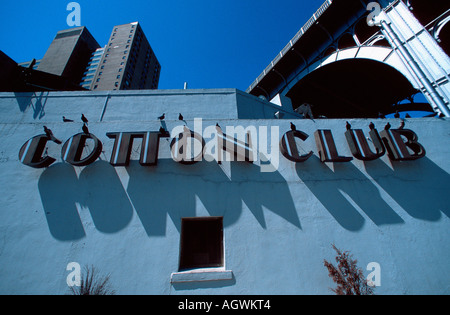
(201, 275)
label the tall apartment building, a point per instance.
(127, 62)
(69, 53)
(91, 69)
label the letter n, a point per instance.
(241, 150)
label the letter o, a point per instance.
(179, 144)
(73, 149)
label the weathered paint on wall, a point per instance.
(278, 227)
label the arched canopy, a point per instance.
(353, 88)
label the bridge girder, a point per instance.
(328, 39)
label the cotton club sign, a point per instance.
(400, 144)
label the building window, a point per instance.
(201, 244)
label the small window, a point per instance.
(201, 243)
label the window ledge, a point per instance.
(201, 275)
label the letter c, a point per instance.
(31, 153)
(289, 149)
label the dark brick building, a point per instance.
(128, 62)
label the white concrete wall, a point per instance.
(278, 227)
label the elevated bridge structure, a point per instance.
(360, 59)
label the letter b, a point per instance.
(402, 144)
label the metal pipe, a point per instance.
(415, 69)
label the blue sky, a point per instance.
(209, 44)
